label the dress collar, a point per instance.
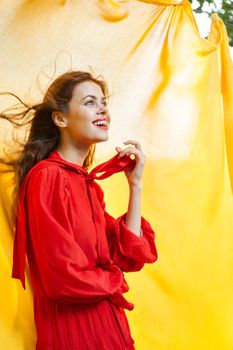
(56, 157)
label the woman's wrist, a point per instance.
(135, 186)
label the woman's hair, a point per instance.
(44, 134)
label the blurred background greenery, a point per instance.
(223, 8)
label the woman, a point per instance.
(76, 251)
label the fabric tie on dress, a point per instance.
(108, 168)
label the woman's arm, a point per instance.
(128, 251)
(133, 215)
(134, 177)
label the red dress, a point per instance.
(77, 253)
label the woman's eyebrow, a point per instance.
(103, 98)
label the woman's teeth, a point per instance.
(99, 123)
(102, 124)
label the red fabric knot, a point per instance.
(89, 179)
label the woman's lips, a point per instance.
(104, 127)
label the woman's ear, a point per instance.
(59, 119)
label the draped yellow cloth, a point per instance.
(172, 91)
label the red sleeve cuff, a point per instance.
(142, 248)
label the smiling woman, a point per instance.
(46, 133)
(77, 252)
(80, 126)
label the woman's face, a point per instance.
(87, 106)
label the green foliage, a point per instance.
(225, 12)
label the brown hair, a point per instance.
(44, 134)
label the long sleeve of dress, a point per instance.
(64, 268)
(127, 250)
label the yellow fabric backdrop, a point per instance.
(171, 90)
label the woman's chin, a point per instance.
(102, 139)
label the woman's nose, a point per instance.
(102, 109)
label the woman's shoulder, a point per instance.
(46, 164)
(44, 172)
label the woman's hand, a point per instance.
(134, 176)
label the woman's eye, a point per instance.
(89, 102)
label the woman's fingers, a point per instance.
(128, 151)
(134, 142)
